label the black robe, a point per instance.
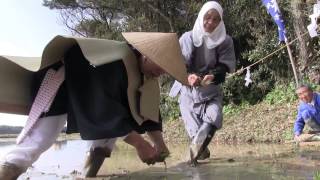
(95, 98)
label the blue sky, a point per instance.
(26, 27)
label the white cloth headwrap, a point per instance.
(214, 38)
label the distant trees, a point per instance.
(107, 18)
(10, 129)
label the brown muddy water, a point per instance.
(64, 160)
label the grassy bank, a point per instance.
(270, 121)
(258, 123)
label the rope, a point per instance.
(240, 71)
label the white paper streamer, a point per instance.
(248, 77)
(175, 89)
(312, 28)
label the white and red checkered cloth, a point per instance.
(45, 96)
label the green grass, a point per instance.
(288, 135)
(316, 175)
(232, 109)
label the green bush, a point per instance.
(285, 93)
(235, 91)
(281, 94)
(169, 107)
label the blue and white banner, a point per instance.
(274, 11)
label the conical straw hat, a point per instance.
(161, 48)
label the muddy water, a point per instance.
(248, 162)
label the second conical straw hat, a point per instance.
(161, 48)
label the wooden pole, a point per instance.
(292, 63)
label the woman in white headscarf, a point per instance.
(209, 55)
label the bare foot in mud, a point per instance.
(193, 153)
(193, 163)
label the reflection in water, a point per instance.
(249, 162)
(222, 171)
(58, 145)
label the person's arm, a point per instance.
(299, 123)
(186, 45)
(219, 73)
(226, 62)
(226, 54)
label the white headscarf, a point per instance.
(214, 38)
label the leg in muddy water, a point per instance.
(205, 151)
(193, 161)
(205, 154)
(99, 150)
(93, 162)
(10, 171)
(40, 138)
(201, 141)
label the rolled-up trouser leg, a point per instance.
(313, 125)
(202, 133)
(212, 120)
(202, 140)
(39, 139)
(204, 150)
(213, 113)
(191, 120)
(209, 120)
(98, 151)
(208, 139)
